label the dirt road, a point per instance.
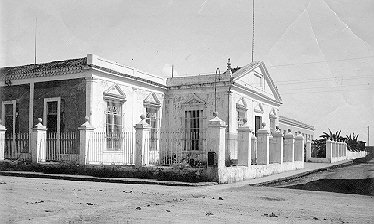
(356, 179)
(24, 200)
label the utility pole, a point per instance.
(218, 72)
(36, 26)
(368, 135)
(253, 28)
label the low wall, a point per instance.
(240, 173)
(319, 160)
(355, 155)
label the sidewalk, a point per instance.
(308, 169)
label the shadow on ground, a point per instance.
(344, 186)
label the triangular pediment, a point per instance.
(193, 99)
(259, 108)
(241, 104)
(273, 113)
(152, 100)
(256, 77)
(114, 93)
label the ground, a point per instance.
(27, 200)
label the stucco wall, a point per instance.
(132, 108)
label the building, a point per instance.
(113, 96)
(286, 124)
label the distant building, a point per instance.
(295, 126)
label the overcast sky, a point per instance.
(319, 52)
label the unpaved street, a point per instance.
(25, 200)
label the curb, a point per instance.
(303, 174)
(106, 180)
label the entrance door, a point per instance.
(258, 122)
(9, 118)
(52, 122)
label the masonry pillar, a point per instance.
(263, 146)
(244, 146)
(39, 143)
(329, 150)
(299, 148)
(289, 150)
(2, 141)
(142, 134)
(278, 149)
(334, 154)
(345, 149)
(85, 136)
(308, 150)
(216, 139)
(253, 149)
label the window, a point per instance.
(152, 120)
(113, 125)
(258, 123)
(10, 117)
(193, 130)
(51, 114)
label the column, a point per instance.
(329, 151)
(289, 150)
(299, 148)
(2, 141)
(142, 135)
(244, 146)
(85, 136)
(216, 140)
(31, 107)
(278, 149)
(39, 143)
(308, 150)
(263, 146)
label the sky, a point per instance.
(319, 52)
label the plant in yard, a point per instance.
(353, 144)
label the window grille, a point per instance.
(152, 120)
(113, 125)
(193, 130)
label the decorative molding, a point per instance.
(194, 100)
(114, 93)
(241, 104)
(151, 101)
(259, 108)
(273, 114)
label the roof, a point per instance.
(72, 66)
(293, 122)
(252, 66)
(42, 70)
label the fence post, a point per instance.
(244, 146)
(142, 130)
(2, 141)
(308, 150)
(329, 151)
(289, 150)
(39, 143)
(216, 139)
(85, 136)
(299, 148)
(278, 138)
(263, 146)
(254, 149)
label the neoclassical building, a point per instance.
(113, 96)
